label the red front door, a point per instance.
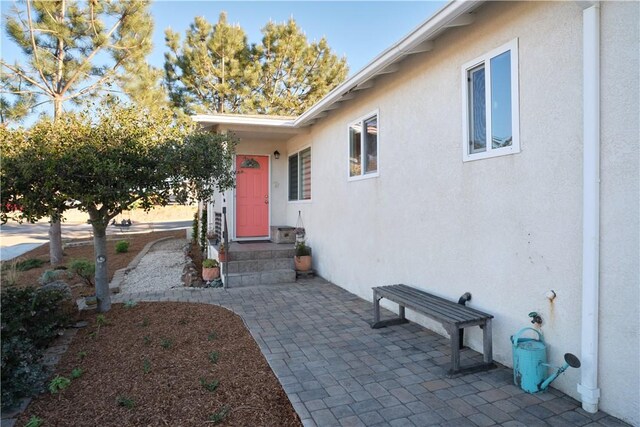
(252, 196)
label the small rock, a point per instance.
(81, 324)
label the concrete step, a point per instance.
(237, 280)
(247, 255)
(260, 265)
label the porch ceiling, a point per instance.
(256, 132)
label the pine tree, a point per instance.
(295, 74)
(214, 70)
(74, 50)
(211, 70)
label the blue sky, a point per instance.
(358, 30)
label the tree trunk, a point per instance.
(55, 229)
(55, 242)
(100, 250)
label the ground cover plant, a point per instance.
(127, 380)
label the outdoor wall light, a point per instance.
(276, 154)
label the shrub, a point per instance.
(194, 228)
(33, 314)
(50, 276)
(22, 374)
(203, 229)
(30, 320)
(122, 246)
(28, 264)
(83, 268)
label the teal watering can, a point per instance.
(530, 362)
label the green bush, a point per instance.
(22, 373)
(25, 265)
(30, 320)
(194, 229)
(203, 229)
(122, 246)
(50, 276)
(83, 268)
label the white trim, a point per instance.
(360, 120)
(289, 177)
(485, 59)
(233, 228)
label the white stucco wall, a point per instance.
(506, 229)
(620, 177)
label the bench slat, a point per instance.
(455, 311)
(431, 308)
(437, 307)
(458, 308)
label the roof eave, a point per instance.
(442, 19)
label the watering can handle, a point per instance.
(516, 337)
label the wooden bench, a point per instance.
(454, 317)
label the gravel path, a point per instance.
(160, 269)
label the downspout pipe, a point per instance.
(588, 387)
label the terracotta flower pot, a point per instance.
(302, 263)
(209, 274)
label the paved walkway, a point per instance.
(337, 371)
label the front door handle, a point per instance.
(266, 199)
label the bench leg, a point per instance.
(376, 308)
(487, 344)
(377, 323)
(455, 350)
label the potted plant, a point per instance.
(302, 258)
(222, 253)
(210, 269)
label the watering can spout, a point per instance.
(570, 360)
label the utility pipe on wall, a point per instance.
(588, 387)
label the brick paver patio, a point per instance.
(338, 371)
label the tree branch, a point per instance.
(35, 48)
(104, 78)
(90, 56)
(27, 78)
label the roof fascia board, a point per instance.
(243, 120)
(440, 20)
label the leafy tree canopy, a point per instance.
(215, 69)
(103, 161)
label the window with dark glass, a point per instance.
(363, 146)
(300, 175)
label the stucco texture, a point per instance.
(507, 229)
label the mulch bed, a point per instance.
(116, 260)
(153, 357)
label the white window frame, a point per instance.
(360, 120)
(515, 105)
(297, 153)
